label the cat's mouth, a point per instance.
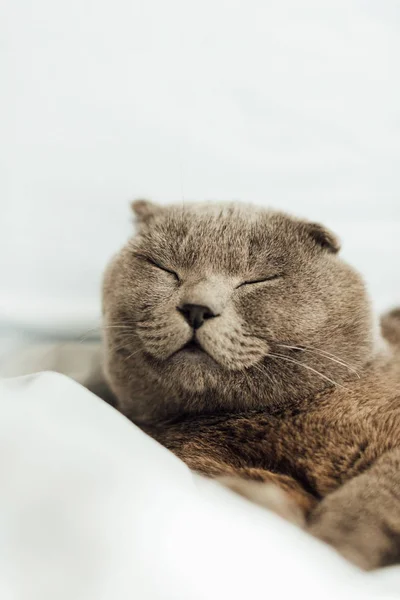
(192, 346)
(192, 351)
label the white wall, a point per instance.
(292, 104)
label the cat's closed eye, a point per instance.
(156, 264)
(263, 280)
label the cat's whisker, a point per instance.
(132, 355)
(296, 362)
(265, 373)
(88, 336)
(118, 327)
(262, 371)
(324, 354)
(119, 335)
(248, 381)
(118, 346)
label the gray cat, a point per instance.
(238, 338)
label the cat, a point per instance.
(238, 338)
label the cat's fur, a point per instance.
(294, 385)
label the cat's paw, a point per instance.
(268, 496)
(356, 535)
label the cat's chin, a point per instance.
(193, 370)
(193, 356)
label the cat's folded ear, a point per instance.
(322, 236)
(145, 210)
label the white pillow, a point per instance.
(92, 508)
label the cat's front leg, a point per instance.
(362, 518)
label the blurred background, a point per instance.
(294, 105)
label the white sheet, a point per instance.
(91, 508)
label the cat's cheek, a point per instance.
(161, 337)
(228, 341)
(293, 323)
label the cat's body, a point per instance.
(292, 383)
(322, 442)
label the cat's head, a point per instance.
(227, 307)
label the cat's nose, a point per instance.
(195, 314)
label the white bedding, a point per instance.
(92, 508)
